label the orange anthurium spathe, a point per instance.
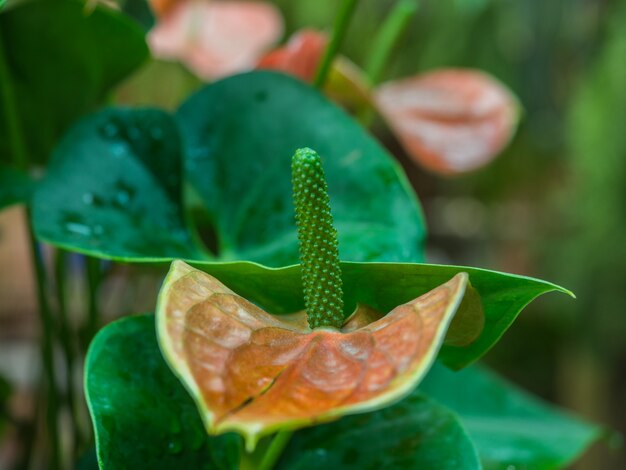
(299, 57)
(256, 373)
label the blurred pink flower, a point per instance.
(450, 120)
(216, 38)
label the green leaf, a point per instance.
(51, 72)
(114, 186)
(140, 11)
(384, 286)
(241, 164)
(414, 433)
(15, 186)
(143, 417)
(510, 428)
(240, 134)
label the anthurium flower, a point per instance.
(449, 120)
(215, 38)
(256, 373)
(301, 56)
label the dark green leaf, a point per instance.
(15, 186)
(143, 417)
(384, 286)
(416, 433)
(240, 134)
(245, 178)
(510, 428)
(114, 186)
(140, 11)
(58, 60)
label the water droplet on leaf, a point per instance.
(78, 229)
(175, 446)
(88, 198)
(109, 130)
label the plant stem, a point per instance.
(47, 349)
(11, 116)
(19, 157)
(66, 337)
(339, 31)
(319, 247)
(387, 37)
(275, 450)
(93, 281)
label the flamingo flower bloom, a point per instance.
(216, 38)
(257, 373)
(449, 121)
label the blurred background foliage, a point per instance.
(553, 205)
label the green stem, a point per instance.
(319, 248)
(275, 450)
(47, 350)
(11, 115)
(65, 335)
(339, 31)
(93, 282)
(20, 159)
(388, 34)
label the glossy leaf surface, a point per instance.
(115, 186)
(510, 428)
(245, 182)
(239, 155)
(47, 89)
(256, 373)
(143, 417)
(416, 433)
(383, 286)
(15, 186)
(451, 120)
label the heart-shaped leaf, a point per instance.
(142, 415)
(510, 428)
(383, 286)
(451, 120)
(240, 134)
(256, 373)
(51, 72)
(114, 185)
(416, 433)
(15, 186)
